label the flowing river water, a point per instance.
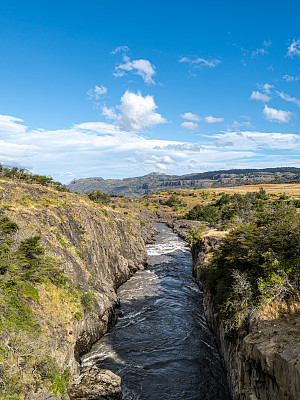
(161, 346)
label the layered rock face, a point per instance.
(264, 362)
(97, 247)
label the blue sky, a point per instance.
(119, 89)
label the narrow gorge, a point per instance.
(72, 268)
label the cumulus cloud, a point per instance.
(158, 162)
(212, 120)
(287, 97)
(190, 116)
(189, 125)
(294, 48)
(267, 88)
(140, 67)
(109, 112)
(138, 112)
(96, 92)
(256, 95)
(274, 115)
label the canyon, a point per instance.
(99, 248)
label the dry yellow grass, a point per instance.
(290, 189)
(277, 309)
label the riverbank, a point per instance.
(263, 360)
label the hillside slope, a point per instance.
(97, 249)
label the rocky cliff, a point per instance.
(97, 248)
(263, 361)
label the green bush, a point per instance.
(88, 302)
(99, 197)
(264, 253)
(21, 175)
(228, 209)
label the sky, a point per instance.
(125, 88)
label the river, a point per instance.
(161, 346)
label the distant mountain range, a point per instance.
(148, 184)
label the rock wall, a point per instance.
(98, 248)
(262, 363)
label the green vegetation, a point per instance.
(230, 209)
(99, 197)
(195, 233)
(23, 358)
(172, 201)
(21, 175)
(258, 261)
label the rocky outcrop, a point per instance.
(97, 247)
(96, 384)
(262, 363)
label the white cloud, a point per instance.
(237, 124)
(182, 147)
(294, 48)
(255, 140)
(291, 78)
(102, 149)
(222, 143)
(97, 92)
(141, 67)
(190, 116)
(198, 62)
(259, 52)
(274, 115)
(10, 125)
(211, 120)
(287, 97)
(109, 113)
(256, 95)
(138, 112)
(120, 49)
(189, 125)
(267, 88)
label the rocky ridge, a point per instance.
(154, 182)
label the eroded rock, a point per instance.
(96, 384)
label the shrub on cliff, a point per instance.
(22, 343)
(21, 175)
(99, 197)
(265, 254)
(230, 209)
